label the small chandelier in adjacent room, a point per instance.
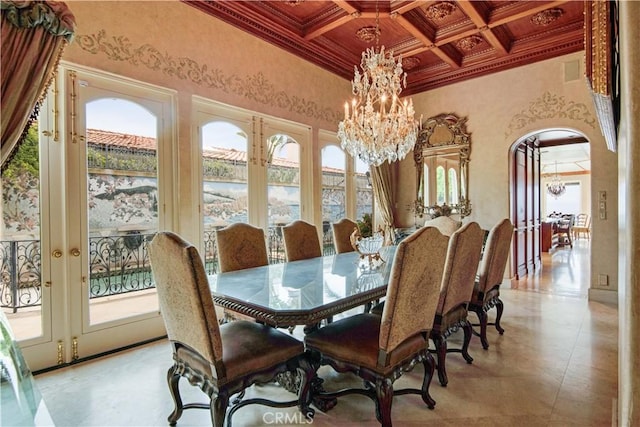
(378, 126)
(556, 187)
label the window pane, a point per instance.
(364, 191)
(569, 203)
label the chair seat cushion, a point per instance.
(355, 340)
(247, 347)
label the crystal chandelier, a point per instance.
(378, 126)
(556, 187)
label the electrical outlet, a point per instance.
(603, 280)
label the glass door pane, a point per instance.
(283, 189)
(122, 207)
(334, 200)
(21, 285)
(225, 191)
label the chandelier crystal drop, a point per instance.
(378, 126)
(556, 187)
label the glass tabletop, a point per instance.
(304, 291)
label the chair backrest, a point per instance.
(496, 253)
(461, 266)
(414, 287)
(301, 241)
(445, 224)
(342, 231)
(565, 223)
(241, 246)
(184, 295)
(582, 220)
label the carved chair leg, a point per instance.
(218, 408)
(482, 316)
(429, 368)
(172, 381)
(499, 309)
(468, 332)
(384, 392)
(441, 351)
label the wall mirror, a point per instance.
(441, 154)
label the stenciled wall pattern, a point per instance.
(550, 106)
(254, 87)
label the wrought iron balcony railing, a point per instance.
(118, 264)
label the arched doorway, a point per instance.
(528, 166)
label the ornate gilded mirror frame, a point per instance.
(603, 65)
(442, 151)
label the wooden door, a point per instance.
(525, 208)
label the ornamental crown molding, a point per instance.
(254, 87)
(550, 106)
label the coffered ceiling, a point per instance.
(441, 42)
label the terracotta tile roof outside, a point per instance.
(104, 137)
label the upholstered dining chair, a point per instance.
(342, 231)
(301, 241)
(461, 266)
(445, 224)
(486, 291)
(221, 360)
(379, 349)
(241, 246)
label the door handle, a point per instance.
(57, 253)
(75, 252)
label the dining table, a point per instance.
(305, 293)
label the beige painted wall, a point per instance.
(173, 45)
(502, 109)
(629, 294)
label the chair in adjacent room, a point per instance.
(241, 246)
(342, 231)
(463, 256)
(486, 292)
(379, 349)
(582, 226)
(445, 224)
(564, 230)
(301, 241)
(221, 360)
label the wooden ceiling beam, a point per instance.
(479, 21)
(407, 7)
(319, 30)
(425, 40)
(539, 7)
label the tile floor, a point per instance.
(556, 365)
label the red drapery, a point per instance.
(34, 35)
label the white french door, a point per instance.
(118, 196)
(252, 168)
(105, 187)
